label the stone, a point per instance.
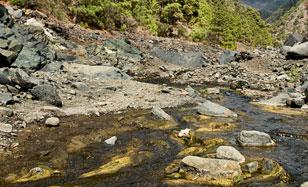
(227, 57)
(191, 92)
(213, 90)
(213, 168)
(184, 133)
(251, 167)
(98, 72)
(293, 39)
(305, 184)
(21, 78)
(212, 109)
(5, 17)
(295, 102)
(4, 43)
(255, 138)
(37, 173)
(15, 46)
(48, 93)
(7, 57)
(29, 59)
(229, 153)
(160, 113)
(7, 128)
(297, 51)
(185, 59)
(111, 141)
(52, 122)
(6, 99)
(6, 112)
(279, 100)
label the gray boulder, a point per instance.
(293, 39)
(255, 138)
(6, 98)
(17, 77)
(185, 59)
(297, 51)
(229, 153)
(208, 168)
(48, 93)
(231, 56)
(279, 100)
(29, 59)
(212, 109)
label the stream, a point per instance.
(77, 146)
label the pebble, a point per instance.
(111, 141)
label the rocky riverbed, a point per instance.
(85, 107)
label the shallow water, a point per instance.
(138, 131)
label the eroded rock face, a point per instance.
(212, 168)
(229, 153)
(255, 138)
(213, 109)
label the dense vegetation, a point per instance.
(217, 21)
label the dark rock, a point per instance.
(293, 39)
(5, 17)
(267, 166)
(7, 57)
(29, 59)
(48, 93)
(233, 56)
(185, 59)
(6, 98)
(65, 57)
(295, 102)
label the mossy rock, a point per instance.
(37, 173)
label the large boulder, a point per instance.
(209, 168)
(48, 93)
(212, 109)
(293, 39)
(185, 59)
(97, 72)
(297, 51)
(17, 77)
(28, 58)
(279, 100)
(255, 138)
(229, 153)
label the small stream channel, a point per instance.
(78, 146)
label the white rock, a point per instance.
(305, 184)
(111, 141)
(52, 122)
(229, 153)
(184, 133)
(6, 128)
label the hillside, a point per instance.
(295, 20)
(224, 22)
(271, 10)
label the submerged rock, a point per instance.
(208, 168)
(160, 113)
(255, 138)
(213, 109)
(229, 153)
(35, 174)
